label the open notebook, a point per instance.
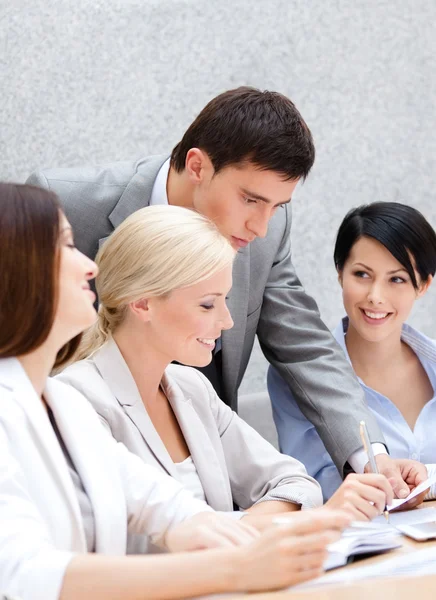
(362, 538)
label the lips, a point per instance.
(208, 342)
(375, 317)
(239, 242)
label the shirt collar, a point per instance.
(423, 346)
(159, 191)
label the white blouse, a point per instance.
(189, 478)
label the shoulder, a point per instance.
(70, 396)
(115, 174)
(422, 345)
(85, 377)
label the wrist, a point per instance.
(230, 570)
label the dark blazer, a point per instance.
(267, 299)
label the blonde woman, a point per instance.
(164, 277)
(68, 492)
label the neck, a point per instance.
(38, 365)
(369, 357)
(145, 364)
(179, 189)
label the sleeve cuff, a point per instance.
(359, 458)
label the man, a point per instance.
(238, 164)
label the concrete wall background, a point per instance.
(93, 81)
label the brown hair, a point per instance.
(29, 266)
(247, 125)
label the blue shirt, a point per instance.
(299, 438)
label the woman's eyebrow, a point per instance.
(212, 294)
(397, 271)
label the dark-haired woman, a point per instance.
(385, 256)
(68, 492)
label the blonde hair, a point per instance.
(153, 252)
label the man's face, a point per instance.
(239, 200)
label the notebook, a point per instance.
(362, 538)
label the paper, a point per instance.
(409, 517)
(421, 562)
(361, 538)
(418, 490)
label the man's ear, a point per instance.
(424, 287)
(197, 165)
(140, 308)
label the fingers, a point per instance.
(236, 533)
(308, 544)
(314, 522)
(399, 487)
(360, 509)
(363, 496)
(376, 482)
(414, 502)
(254, 533)
(207, 538)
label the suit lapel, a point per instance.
(138, 191)
(233, 339)
(26, 396)
(116, 374)
(215, 484)
(79, 436)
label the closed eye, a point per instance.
(248, 200)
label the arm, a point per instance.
(298, 436)
(31, 567)
(284, 555)
(258, 472)
(298, 344)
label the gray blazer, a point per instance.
(267, 299)
(234, 463)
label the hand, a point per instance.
(387, 467)
(364, 497)
(209, 530)
(289, 553)
(413, 473)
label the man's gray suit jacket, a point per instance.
(267, 299)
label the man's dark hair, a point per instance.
(29, 268)
(247, 125)
(401, 229)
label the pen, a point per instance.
(371, 458)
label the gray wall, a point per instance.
(92, 81)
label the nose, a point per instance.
(90, 268)
(226, 320)
(375, 294)
(258, 224)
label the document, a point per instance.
(362, 538)
(409, 517)
(421, 562)
(418, 490)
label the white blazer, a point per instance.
(40, 522)
(234, 463)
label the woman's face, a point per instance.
(75, 311)
(377, 291)
(184, 325)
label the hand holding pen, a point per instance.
(371, 458)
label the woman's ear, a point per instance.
(140, 309)
(340, 277)
(423, 287)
